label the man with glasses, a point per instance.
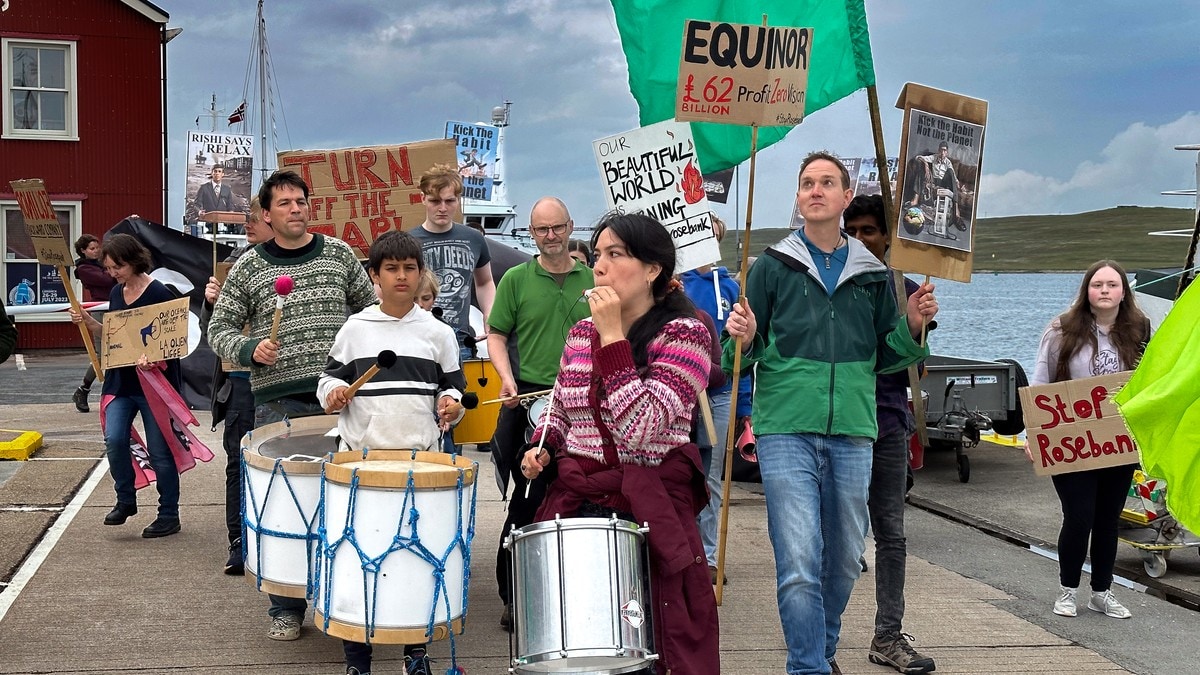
(457, 254)
(537, 302)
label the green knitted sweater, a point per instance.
(327, 280)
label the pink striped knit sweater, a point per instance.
(647, 414)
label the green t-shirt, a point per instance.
(532, 309)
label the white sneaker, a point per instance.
(1065, 605)
(1107, 603)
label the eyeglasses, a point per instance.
(558, 230)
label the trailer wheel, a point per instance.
(1015, 424)
(1155, 564)
(964, 469)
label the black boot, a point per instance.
(80, 398)
(120, 514)
(161, 527)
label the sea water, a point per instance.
(999, 316)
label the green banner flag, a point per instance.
(1161, 407)
(652, 37)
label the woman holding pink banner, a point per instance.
(128, 261)
(1102, 332)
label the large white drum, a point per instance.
(581, 597)
(281, 495)
(395, 545)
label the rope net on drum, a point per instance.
(252, 505)
(410, 543)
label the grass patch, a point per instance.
(1051, 243)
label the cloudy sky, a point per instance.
(1086, 100)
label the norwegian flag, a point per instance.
(239, 114)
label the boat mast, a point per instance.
(500, 119)
(263, 92)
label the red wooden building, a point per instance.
(83, 91)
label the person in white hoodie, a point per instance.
(396, 408)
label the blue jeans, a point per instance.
(118, 420)
(889, 478)
(712, 456)
(816, 488)
(264, 415)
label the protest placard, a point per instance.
(158, 331)
(654, 170)
(477, 145)
(357, 194)
(935, 223)
(734, 73)
(217, 179)
(1075, 426)
(41, 223)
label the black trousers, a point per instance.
(239, 421)
(1091, 505)
(508, 441)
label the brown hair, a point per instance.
(439, 177)
(829, 156)
(1130, 330)
(83, 242)
(125, 249)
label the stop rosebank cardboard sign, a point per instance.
(1075, 426)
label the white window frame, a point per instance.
(71, 133)
(75, 211)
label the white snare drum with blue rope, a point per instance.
(395, 546)
(281, 494)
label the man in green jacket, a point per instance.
(820, 323)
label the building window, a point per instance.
(39, 89)
(23, 280)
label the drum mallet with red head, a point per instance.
(283, 286)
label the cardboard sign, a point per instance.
(654, 171)
(477, 145)
(357, 194)
(158, 331)
(1075, 426)
(41, 223)
(735, 73)
(212, 156)
(935, 221)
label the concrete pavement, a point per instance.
(104, 600)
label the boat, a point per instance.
(1157, 288)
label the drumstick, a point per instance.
(542, 440)
(532, 394)
(386, 359)
(283, 286)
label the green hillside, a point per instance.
(1054, 243)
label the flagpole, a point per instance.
(890, 211)
(737, 370)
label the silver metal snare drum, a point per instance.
(581, 597)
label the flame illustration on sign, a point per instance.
(692, 183)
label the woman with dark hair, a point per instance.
(97, 284)
(128, 262)
(617, 433)
(579, 250)
(1103, 332)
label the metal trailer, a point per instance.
(968, 396)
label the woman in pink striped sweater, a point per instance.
(617, 437)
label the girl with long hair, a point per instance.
(1102, 332)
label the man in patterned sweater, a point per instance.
(327, 278)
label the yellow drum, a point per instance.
(478, 425)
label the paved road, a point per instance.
(978, 603)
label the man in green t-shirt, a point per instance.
(536, 304)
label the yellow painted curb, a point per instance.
(21, 447)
